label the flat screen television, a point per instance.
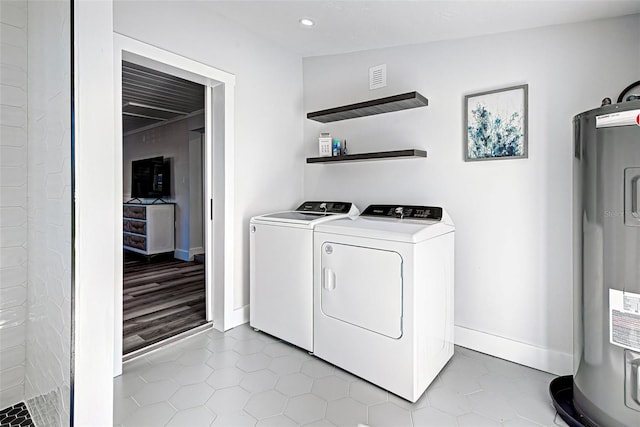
(150, 178)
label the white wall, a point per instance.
(13, 200)
(94, 213)
(269, 155)
(513, 286)
(196, 195)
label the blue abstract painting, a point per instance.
(496, 124)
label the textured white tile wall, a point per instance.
(49, 213)
(13, 199)
(35, 206)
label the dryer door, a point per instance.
(363, 287)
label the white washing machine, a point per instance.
(281, 269)
(383, 295)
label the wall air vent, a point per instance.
(378, 76)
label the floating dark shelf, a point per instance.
(379, 155)
(369, 108)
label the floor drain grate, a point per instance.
(16, 415)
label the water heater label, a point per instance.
(624, 319)
(623, 118)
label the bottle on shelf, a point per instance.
(337, 150)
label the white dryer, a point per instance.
(383, 295)
(281, 269)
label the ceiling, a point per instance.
(348, 26)
(150, 97)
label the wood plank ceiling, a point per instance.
(150, 96)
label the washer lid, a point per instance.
(309, 214)
(298, 217)
(396, 230)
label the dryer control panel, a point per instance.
(404, 212)
(325, 207)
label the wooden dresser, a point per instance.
(148, 229)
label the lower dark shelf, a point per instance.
(379, 155)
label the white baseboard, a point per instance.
(185, 255)
(240, 316)
(544, 359)
(195, 251)
(181, 254)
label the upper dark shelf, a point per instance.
(379, 155)
(369, 108)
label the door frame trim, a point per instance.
(219, 139)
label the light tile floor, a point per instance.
(247, 378)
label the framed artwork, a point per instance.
(495, 124)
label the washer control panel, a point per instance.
(404, 212)
(325, 207)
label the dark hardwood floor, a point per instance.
(161, 298)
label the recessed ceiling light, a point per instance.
(307, 22)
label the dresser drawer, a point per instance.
(137, 212)
(148, 229)
(133, 226)
(138, 242)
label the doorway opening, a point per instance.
(164, 281)
(206, 169)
